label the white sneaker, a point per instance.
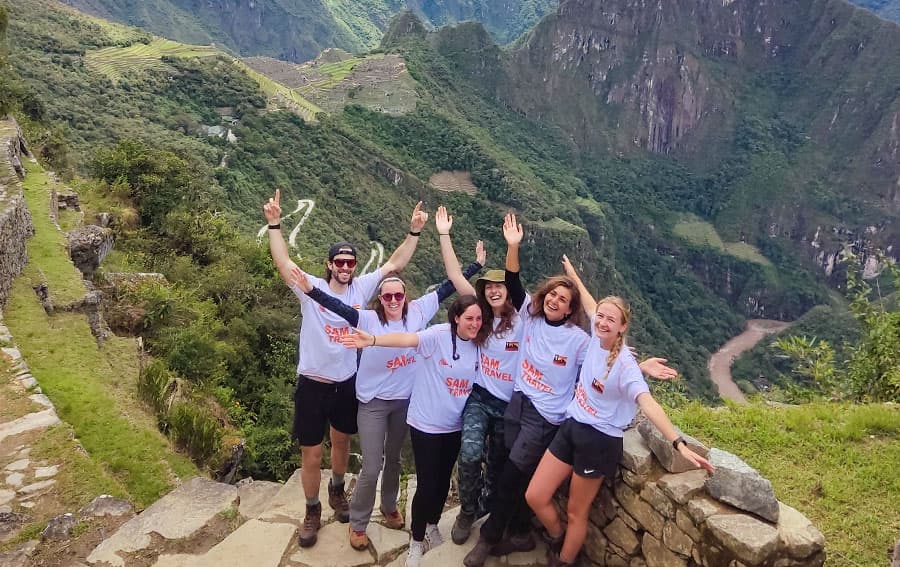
(415, 553)
(433, 537)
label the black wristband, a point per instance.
(677, 441)
(275, 226)
(411, 233)
(443, 234)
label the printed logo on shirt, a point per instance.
(597, 385)
(512, 346)
(400, 362)
(582, 401)
(534, 377)
(559, 360)
(458, 387)
(443, 362)
(335, 333)
(491, 368)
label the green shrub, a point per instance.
(155, 386)
(195, 430)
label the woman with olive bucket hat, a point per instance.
(383, 386)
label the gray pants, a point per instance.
(382, 430)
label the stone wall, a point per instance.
(15, 220)
(663, 512)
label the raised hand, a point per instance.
(272, 209)
(359, 339)
(299, 279)
(419, 218)
(656, 367)
(480, 253)
(442, 220)
(568, 267)
(512, 231)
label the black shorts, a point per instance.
(527, 433)
(591, 453)
(316, 404)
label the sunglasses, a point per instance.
(396, 296)
(342, 263)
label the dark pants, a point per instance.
(483, 451)
(434, 454)
(528, 435)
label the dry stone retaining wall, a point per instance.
(15, 220)
(662, 512)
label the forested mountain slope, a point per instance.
(297, 30)
(887, 9)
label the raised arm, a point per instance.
(444, 222)
(512, 233)
(403, 254)
(277, 245)
(446, 287)
(658, 416)
(587, 300)
(329, 302)
(362, 339)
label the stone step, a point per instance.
(29, 422)
(254, 544)
(256, 497)
(289, 503)
(179, 514)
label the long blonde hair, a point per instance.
(625, 309)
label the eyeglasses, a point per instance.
(398, 297)
(344, 263)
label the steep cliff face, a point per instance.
(15, 219)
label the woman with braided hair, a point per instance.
(588, 445)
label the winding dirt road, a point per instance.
(720, 362)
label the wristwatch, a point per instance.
(678, 440)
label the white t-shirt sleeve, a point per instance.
(426, 306)
(428, 341)
(367, 284)
(633, 382)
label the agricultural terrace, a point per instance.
(114, 62)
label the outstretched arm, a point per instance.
(329, 302)
(587, 300)
(362, 339)
(277, 245)
(658, 416)
(656, 367)
(444, 222)
(403, 254)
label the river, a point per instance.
(720, 362)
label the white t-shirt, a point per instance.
(321, 354)
(607, 405)
(442, 386)
(389, 373)
(549, 364)
(500, 358)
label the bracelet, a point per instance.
(678, 440)
(411, 233)
(444, 234)
(373, 340)
(275, 226)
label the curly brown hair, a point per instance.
(576, 317)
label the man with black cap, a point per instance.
(326, 371)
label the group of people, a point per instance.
(511, 389)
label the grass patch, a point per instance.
(702, 233)
(48, 249)
(836, 463)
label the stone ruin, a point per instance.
(662, 511)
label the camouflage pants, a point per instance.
(483, 451)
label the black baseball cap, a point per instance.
(341, 248)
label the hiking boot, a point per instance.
(358, 540)
(311, 524)
(479, 554)
(415, 553)
(513, 544)
(337, 499)
(433, 537)
(462, 528)
(393, 520)
(554, 544)
(553, 560)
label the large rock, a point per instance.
(179, 514)
(668, 457)
(751, 540)
(59, 528)
(106, 505)
(683, 486)
(655, 553)
(635, 453)
(88, 246)
(254, 544)
(256, 497)
(738, 484)
(797, 534)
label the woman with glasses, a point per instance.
(384, 384)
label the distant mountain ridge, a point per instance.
(887, 9)
(298, 30)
